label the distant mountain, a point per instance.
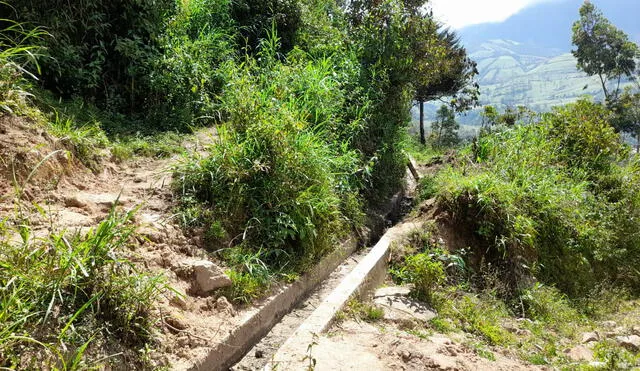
(548, 25)
(526, 60)
(514, 74)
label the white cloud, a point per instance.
(462, 13)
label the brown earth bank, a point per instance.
(39, 169)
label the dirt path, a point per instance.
(352, 345)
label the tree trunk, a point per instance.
(604, 88)
(423, 140)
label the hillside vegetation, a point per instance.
(311, 101)
(531, 239)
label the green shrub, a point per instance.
(150, 65)
(278, 180)
(424, 273)
(548, 201)
(427, 187)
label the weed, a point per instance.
(427, 187)
(481, 350)
(363, 311)
(17, 53)
(62, 292)
(160, 145)
(424, 272)
(614, 356)
(85, 141)
(547, 304)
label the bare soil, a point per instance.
(354, 345)
(76, 199)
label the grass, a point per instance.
(62, 293)
(550, 256)
(160, 145)
(362, 311)
(17, 51)
(423, 153)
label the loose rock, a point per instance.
(223, 305)
(208, 277)
(402, 309)
(74, 201)
(176, 324)
(590, 337)
(178, 301)
(580, 353)
(631, 342)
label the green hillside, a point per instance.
(509, 77)
(513, 74)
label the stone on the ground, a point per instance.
(152, 234)
(105, 200)
(392, 291)
(589, 337)
(398, 307)
(208, 277)
(580, 353)
(74, 201)
(176, 324)
(68, 219)
(635, 330)
(223, 305)
(178, 301)
(631, 342)
(610, 324)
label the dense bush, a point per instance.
(152, 63)
(309, 135)
(255, 18)
(555, 200)
(278, 181)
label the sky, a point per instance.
(461, 13)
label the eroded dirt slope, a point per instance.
(75, 199)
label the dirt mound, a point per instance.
(30, 157)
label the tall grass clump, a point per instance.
(277, 184)
(553, 200)
(64, 296)
(17, 53)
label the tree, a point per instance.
(489, 117)
(602, 49)
(443, 69)
(444, 130)
(626, 114)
